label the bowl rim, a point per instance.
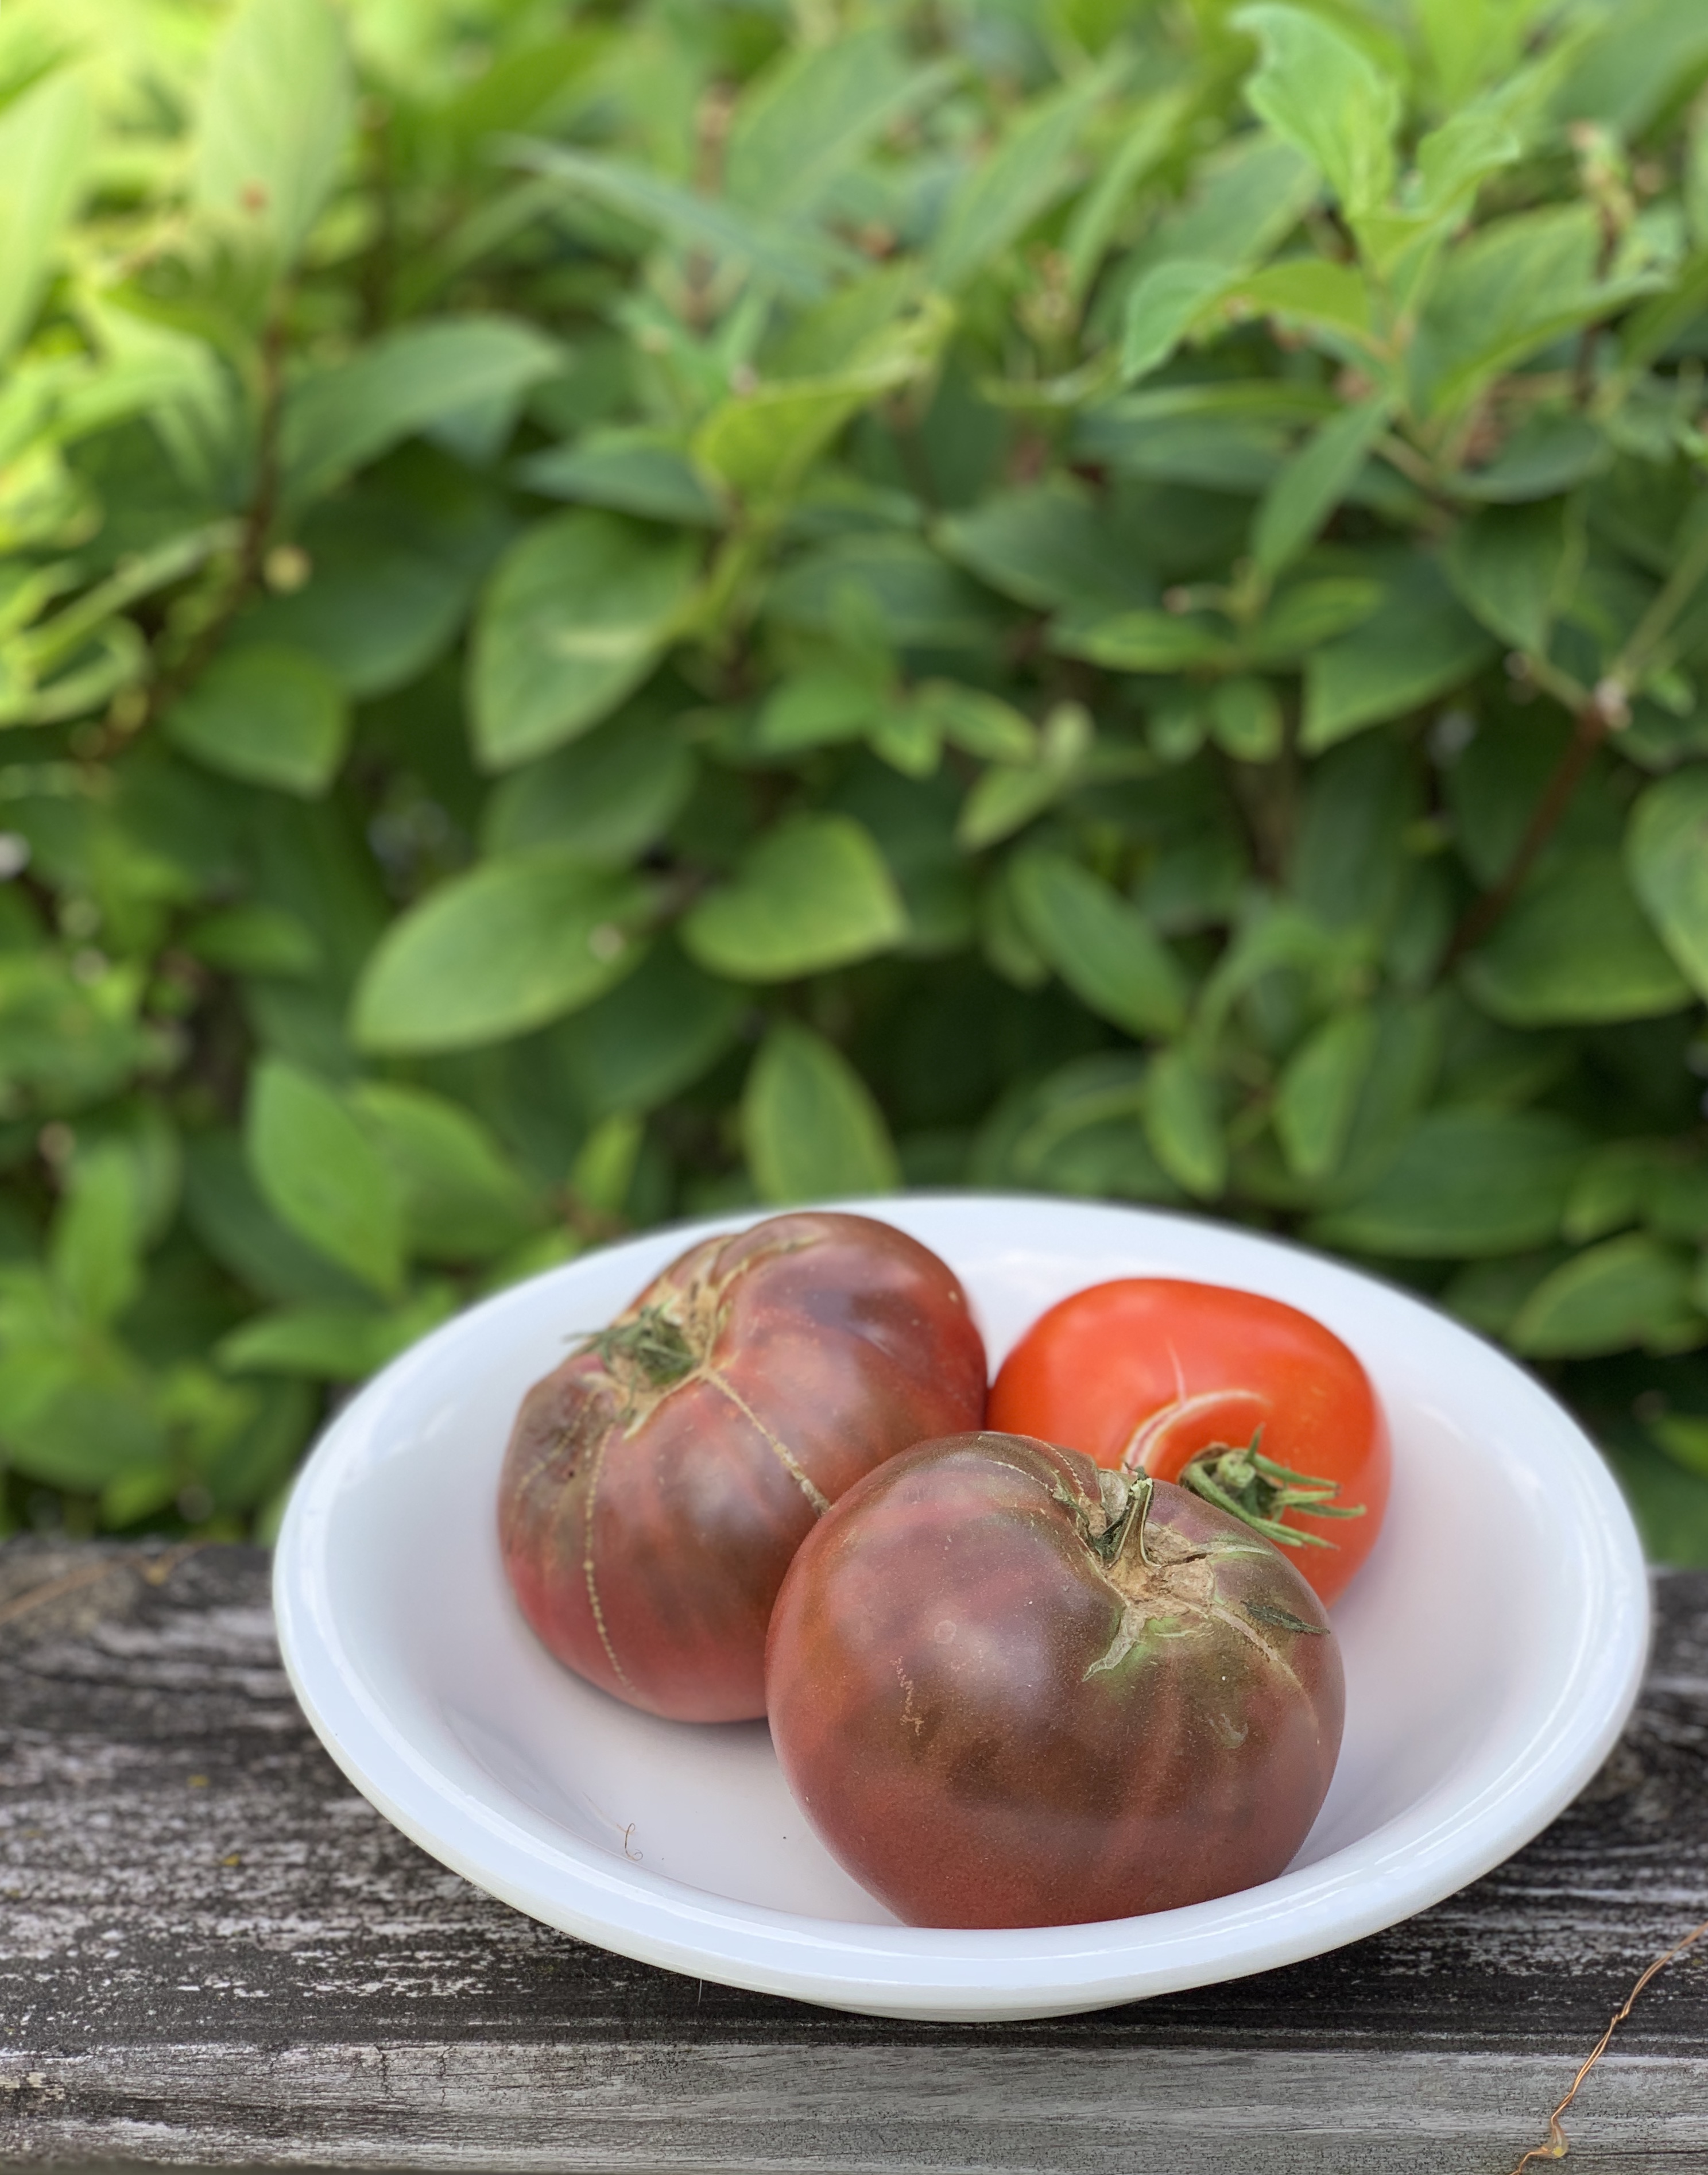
(1441, 1841)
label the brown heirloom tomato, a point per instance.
(658, 1482)
(1010, 1689)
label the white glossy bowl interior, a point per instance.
(1494, 1644)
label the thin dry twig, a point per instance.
(1557, 2146)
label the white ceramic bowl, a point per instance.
(1494, 1645)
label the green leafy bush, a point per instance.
(606, 614)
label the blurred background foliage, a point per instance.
(609, 612)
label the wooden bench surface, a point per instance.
(213, 1952)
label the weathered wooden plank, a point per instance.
(212, 1951)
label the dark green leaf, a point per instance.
(512, 944)
(605, 798)
(1046, 546)
(633, 469)
(1316, 1097)
(808, 1123)
(653, 1035)
(1666, 854)
(1514, 569)
(1420, 644)
(268, 715)
(815, 112)
(1313, 482)
(1102, 947)
(1627, 1291)
(1465, 1182)
(1183, 1126)
(1574, 948)
(575, 618)
(999, 199)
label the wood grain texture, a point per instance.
(211, 1952)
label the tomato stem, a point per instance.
(653, 1343)
(1256, 1490)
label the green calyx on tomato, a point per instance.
(653, 1344)
(1261, 1493)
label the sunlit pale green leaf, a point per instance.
(814, 893)
(275, 120)
(1327, 97)
(96, 1246)
(809, 1123)
(575, 617)
(45, 142)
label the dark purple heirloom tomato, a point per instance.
(659, 1482)
(1010, 1688)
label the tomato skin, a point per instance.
(646, 1524)
(966, 1706)
(1202, 1366)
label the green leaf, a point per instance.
(605, 798)
(1515, 568)
(1333, 298)
(342, 1344)
(1316, 1097)
(1102, 947)
(1246, 720)
(1612, 1190)
(1314, 483)
(275, 116)
(1046, 546)
(1164, 307)
(651, 1037)
(1574, 949)
(94, 1249)
(341, 417)
(814, 113)
(575, 617)
(812, 894)
(1183, 1126)
(979, 724)
(268, 715)
(999, 199)
(1420, 644)
(1666, 854)
(796, 262)
(76, 1419)
(1641, 52)
(462, 1199)
(1509, 290)
(323, 1176)
(635, 469)
(1464, 1182)
(1143, 641)
(1325, 96)
(45, 143)
(1546, 455)
(760, 444)
(502, 948)
(818, 708)
(1009, 795)
(1627, 1291)
(810, 1126)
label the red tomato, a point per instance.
(1254, 1406)
(1010, 1690)
(658, 1482)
